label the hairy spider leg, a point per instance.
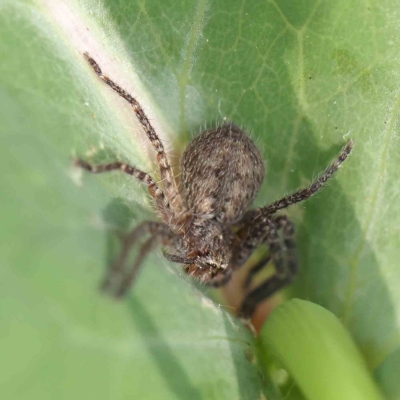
(167, 175)
(258, 224)
(285, 225)
(162, 202)
(255, 270)
(178, 259)
(251, 230)
(120, 278)
(315, 186)
(285, 260)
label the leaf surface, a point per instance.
(303, 77)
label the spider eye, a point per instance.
(207, 254)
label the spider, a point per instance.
(207, 226)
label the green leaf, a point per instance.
(387, 374)
(301, 75)
(312, 344)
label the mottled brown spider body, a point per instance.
(222, 172)
(208, 226)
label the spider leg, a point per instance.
(254, 228)
(130, 276)
(166, 172)
(255, 270)
(315, 186)
(119, 279)
(261, 293)
(287, 227)
(284, 257)
(178, 259)
(162, 202)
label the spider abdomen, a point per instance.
(222, 172)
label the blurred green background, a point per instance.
(302, 76)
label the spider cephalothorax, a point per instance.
(208, 226)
